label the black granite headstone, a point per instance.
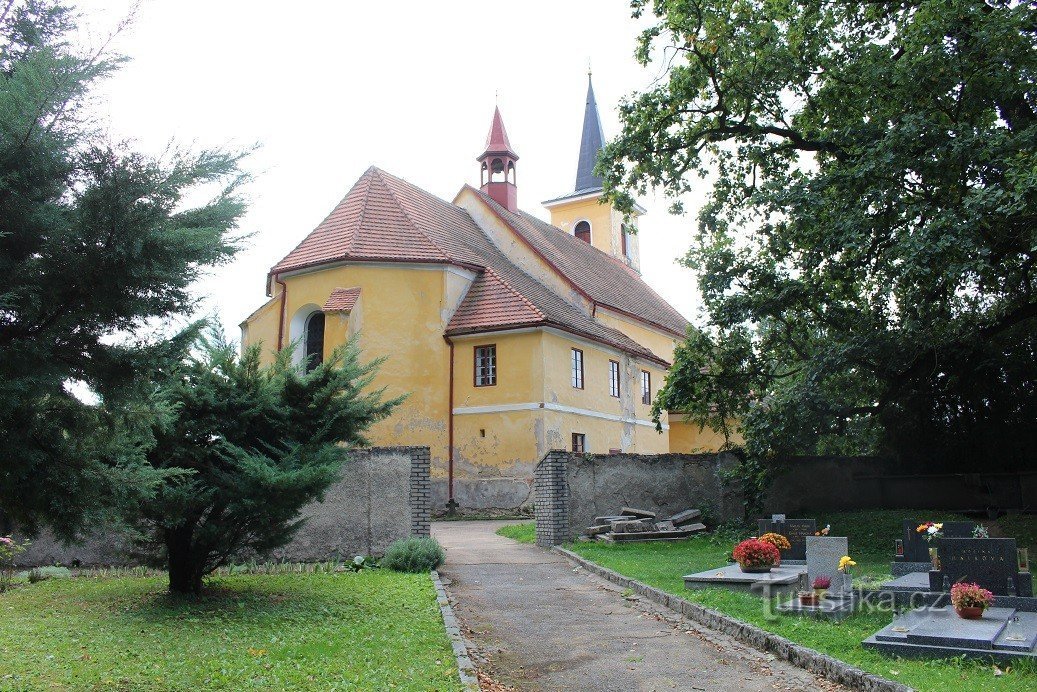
(796, 530)
(916, 548)
(993, 563)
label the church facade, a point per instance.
(510, 336)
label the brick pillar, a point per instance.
(551, 499)
(420, 492)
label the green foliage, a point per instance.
(38, 574)
(413, 555)
(96, 242)
(373, 630)
(245, 447)
(523, 533)
(866, 253)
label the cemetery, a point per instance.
(837, 590)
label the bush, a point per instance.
(38, 574)
(414, 555)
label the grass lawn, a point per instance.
(523, 533)
(375, 629)
(871, 537)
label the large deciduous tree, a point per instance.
(96, 241)
(244, 447)
(866, 252)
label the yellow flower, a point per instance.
(939, 527)
(844, 562)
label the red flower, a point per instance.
(754, 553)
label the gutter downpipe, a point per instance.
(451, 504)
(280, 317)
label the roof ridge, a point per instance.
(382, 175)
(369, 173)
(507, 284)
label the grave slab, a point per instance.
(1001, 634)
(786, 579)
(826, 609)
(993, 563)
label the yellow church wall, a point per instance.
(498, 444)
(519, 369)
(658, 342)
(401, 319)
(606, 225)
(687, 438)
(261, 327)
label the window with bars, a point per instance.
(614, 378)
(485, 365)
(579, 443)
(577, 368)
(314, 342)
(646, 387)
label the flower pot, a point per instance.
(809, 599)
(969, 613)
(820, 593)
(755, 569)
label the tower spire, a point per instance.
(591, 143)
(497, 169)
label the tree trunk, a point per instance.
(185, 569)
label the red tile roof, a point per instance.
(384, 218)
(492, 302)
(342, 300)
(605, 279)
(497, 138)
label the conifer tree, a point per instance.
(243, 448)
(96, 241)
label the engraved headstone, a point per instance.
(822, 555)
(916, 547)
(796, 530)
(993, 563)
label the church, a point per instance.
(510, 336)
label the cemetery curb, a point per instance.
(801, 656)
(465, 667)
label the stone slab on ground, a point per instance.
(1001, 634)
(899, 569)
(686, 517)
(786, 579)
(635, 512)
(538, 623)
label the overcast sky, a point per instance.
(327, 89)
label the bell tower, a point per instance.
(581, 211)
(497, 166)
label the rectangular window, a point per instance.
(614, 378)
(579, 443)
(577, 368)
(485, 365)
(646, 387)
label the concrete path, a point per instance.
(538, 623)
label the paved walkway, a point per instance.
(540, 624)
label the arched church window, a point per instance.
(583, 231)
(314, 342)
(623, 232)
(497, 171)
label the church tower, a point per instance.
(497, 166)
(581, 212)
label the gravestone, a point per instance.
(796, 530)
(993, 563)
(823, 554)
(916, 548)
(1002, 634)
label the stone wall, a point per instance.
(837, 483)
(383, 494)
(571, 489)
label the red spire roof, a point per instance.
(497, 138)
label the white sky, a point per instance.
(329, 88)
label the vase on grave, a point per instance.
(935, 557)
(970, 613)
